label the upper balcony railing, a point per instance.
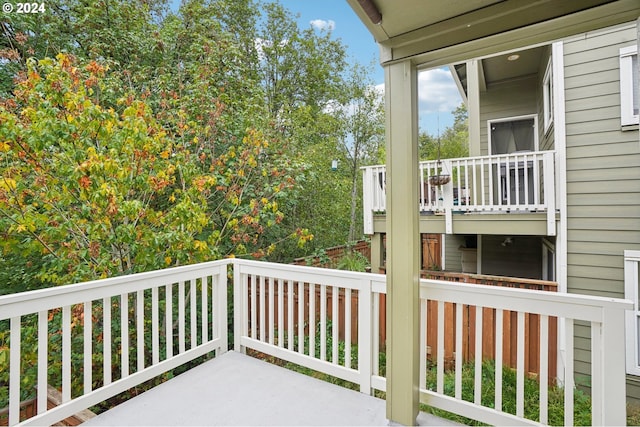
(115, 334)
(517, 182)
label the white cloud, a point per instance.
(322, 25)
(334, 106)
(379, 88)
(260, 44)
(437, 92)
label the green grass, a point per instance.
(582, 402)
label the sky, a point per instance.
(437, 92)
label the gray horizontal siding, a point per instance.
(597, 151)
(586, 200)
(597, 260)
(603, 174)
(623, 211)
(624, 239)
(599, 137)
(590, 187)
(602, 248)
(453, 256)
(595, 163)
(499, 102)
(577, 94)
(633, 391)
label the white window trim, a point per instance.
(547, 247)
(536, 146)
(631, 266)
(627, 117)
(547, 95)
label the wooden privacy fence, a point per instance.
(335, 253)
(273, 292)
(301, 298)
(29, 408)
(531, 328)
(430, 251)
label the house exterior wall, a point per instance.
(521, 256)
(453, 256)
(603, 174)
(512, 98)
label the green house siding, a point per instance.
(452, 254)
(507, 99)
(603, 176)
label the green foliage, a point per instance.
(100, 192)
(215, 80)
(319, 255)
(453, 143)
(582, 408)
(353, 261)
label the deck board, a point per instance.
(235, 389)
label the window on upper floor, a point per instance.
(547, 97)
(629, 85)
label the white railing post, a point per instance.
(612, 360)
(14, 370)
(365, 328)
(221, 309)
(549, 192)
(239, 315)
(367, 199)
(447, 195)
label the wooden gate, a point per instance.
(431, 251)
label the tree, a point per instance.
(120, 32)
(297, 68)
(99, 192)
(453, 143)
(363, 131)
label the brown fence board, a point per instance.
(510, 330)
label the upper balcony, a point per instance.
(503, 185)
(97, 339)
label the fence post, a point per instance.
(238, 307)
(365, 341)
(612, 359)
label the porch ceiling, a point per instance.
(455, 28)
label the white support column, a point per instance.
(473, 106)
(403, 244)
(560, 141)
(613, 410)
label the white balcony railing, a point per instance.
(326, 320)
(518, 182)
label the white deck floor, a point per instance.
(235, 390)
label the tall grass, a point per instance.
(582, 402)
